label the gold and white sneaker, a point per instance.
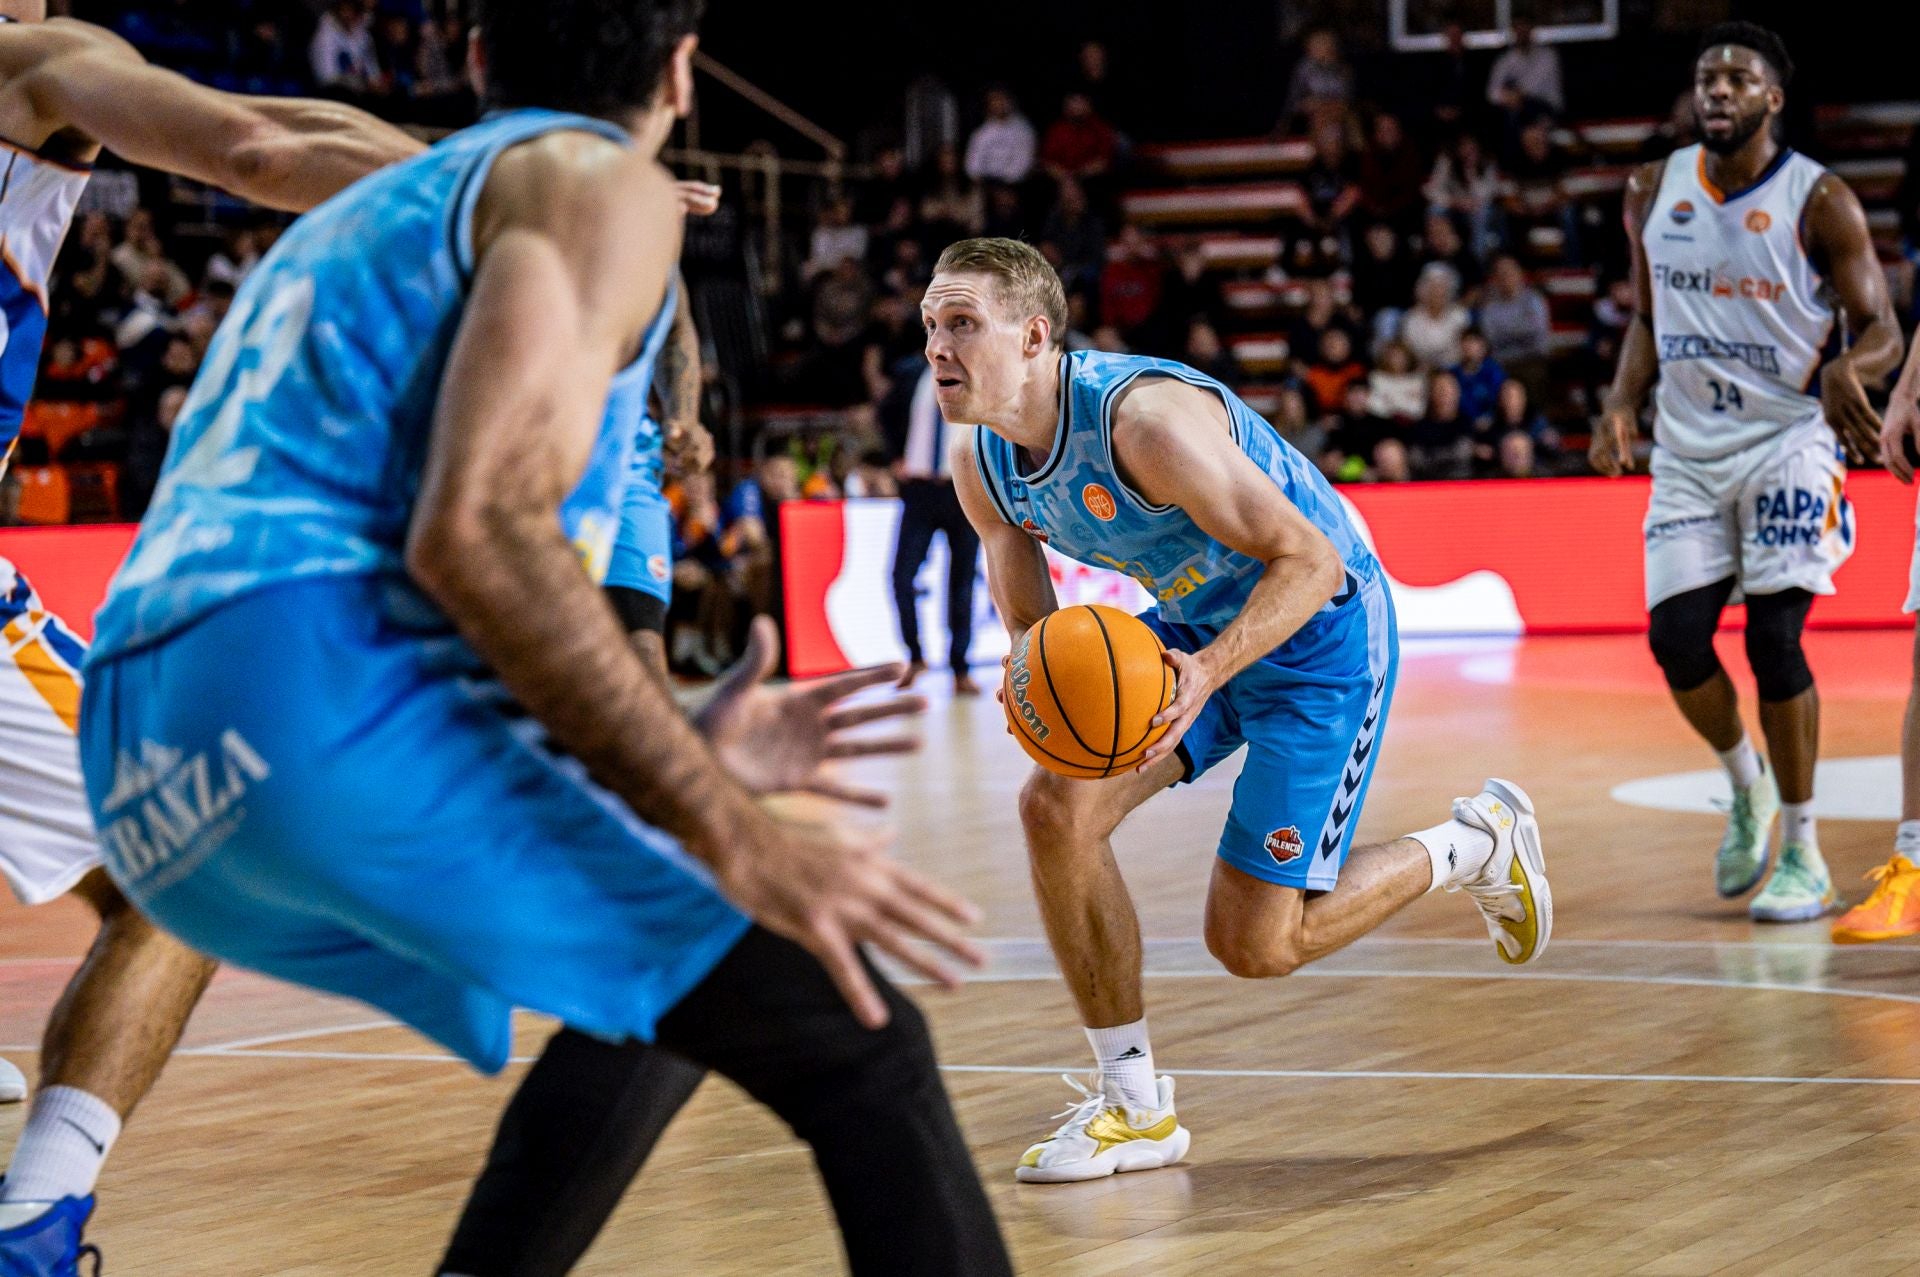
(1101, 1137)
(1512, 891)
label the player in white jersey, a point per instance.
(68, 89)
(1737, 244)
(1893, 909)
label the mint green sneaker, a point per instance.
(1742, 857)
(1801, 888)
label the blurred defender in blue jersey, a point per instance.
(1280, 632)
(359, 717)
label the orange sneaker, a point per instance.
(1892, 911)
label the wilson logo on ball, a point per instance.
(1018, 678)
(1099, 502)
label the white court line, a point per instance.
(297, 1035)
(1364, 1075)
(1757, 946)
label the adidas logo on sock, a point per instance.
(1131, 1053)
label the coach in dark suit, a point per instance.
(918, 438)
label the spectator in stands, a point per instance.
(951, 207)
(1443, 440)
(343, 54)
(1132, 283)
(1190, 291)
(751, 516)
(1432, 329)
(1001, 149)
(231, 262)
(1092, 77)
(148, 434)
(1383, 279)
(1074, 238)
(1079, 325)
(1206, 352)
(1079, 144)
(876, 197)
(1321, 87)
(1295, 423)
(1331, 181)
(1322, 312)
(1333, 370)
(1006, 216)
(443, 95)
(836, 238)
(1363, 446)
(1612, 314)
(1450, 91)
(1526, 77)
(871, 476)
(1514, 316)
(1515, 437)
(1479, 374)
(1467, 187)
(397, 43)
(1442, 243)
(1396, 388)
(1537, 193)
(267, 59)
(701, 618)
(1391, 175)
(143, 262)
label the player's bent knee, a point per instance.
(1255, 957)
(1680, 632)
(1774, 651)
(1054, 809)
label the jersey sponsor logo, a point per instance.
(1286, 845)
(173, 801)
(1717, 283)
(1099, 502)
(1759, 221)
(1019, 677)
(1759, 356)
(1682, 213)
(1034, 530)
(1188, 579)
(657, 567)
(1797, 516)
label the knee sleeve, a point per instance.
(1774, 626)
(1680, 632)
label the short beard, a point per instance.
(1742, 133)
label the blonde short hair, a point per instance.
(1026, 280)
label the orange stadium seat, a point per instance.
(58, 423)
(46, 494)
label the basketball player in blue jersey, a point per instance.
(1280, 632)
(68, 90)
(358, 716)
(1749, 263)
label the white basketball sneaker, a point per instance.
(13, 1084)
(1101, 1137)
(1511, 892)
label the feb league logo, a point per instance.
(1683, 212)
(657, 567)
(1284, 845)
(1099, 502)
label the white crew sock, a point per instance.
(1796, 824)
(66, 1138)
(1125, 1057)
(1458, 852)
(1906, 839)
(1742, 762)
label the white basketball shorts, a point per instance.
(1774, 517)
(46, 831)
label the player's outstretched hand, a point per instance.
(830, 889)
(688, 449)
(1848, 410)
(1900, 437)
(701, 199)
(778, 740)
(1192, 684)
(1611, 452)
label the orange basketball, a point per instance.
(1082, 689)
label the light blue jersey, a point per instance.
(643, 551)
(1311, 712)
(298, 453)
(1077, 503)
(294, 762)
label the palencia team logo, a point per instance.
(1285, 845)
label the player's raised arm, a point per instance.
(1842, 247)
(283, 153)
(1611, 452)
(1017, 574)
(574, 244)
(1172, 441)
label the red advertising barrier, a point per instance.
(1545, 556)
(69, 567)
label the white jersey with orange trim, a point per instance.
(37, 199)
(1739, 324)
(46, 831)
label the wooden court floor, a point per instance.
(1673, 1090)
